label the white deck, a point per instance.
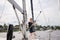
(44, 35)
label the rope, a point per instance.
(38, 15)
(17, 17)
(35, 20)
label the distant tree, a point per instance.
(1, 28)
(44, 27)
(5, 26)
(48, 27)
(57, 27)
(52, 27)
(38, 27)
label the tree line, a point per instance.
(4, 28)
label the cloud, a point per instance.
(50, 10)
(50, 14)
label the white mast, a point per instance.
(24, 18)
(23, 11)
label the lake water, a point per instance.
(41, 35)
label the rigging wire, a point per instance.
(43, 12)
(17, 18)
(38, 16)
(3, 9)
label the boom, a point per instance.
(16, 5)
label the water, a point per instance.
(41, 35)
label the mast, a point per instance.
(32, 9)
(24, 19)
(24, 13)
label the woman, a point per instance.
(31, 27)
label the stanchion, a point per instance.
(10, 32)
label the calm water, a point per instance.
(41, 35)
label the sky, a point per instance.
(50, 14)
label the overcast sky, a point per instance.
(50, 12)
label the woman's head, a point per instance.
(31, 20)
